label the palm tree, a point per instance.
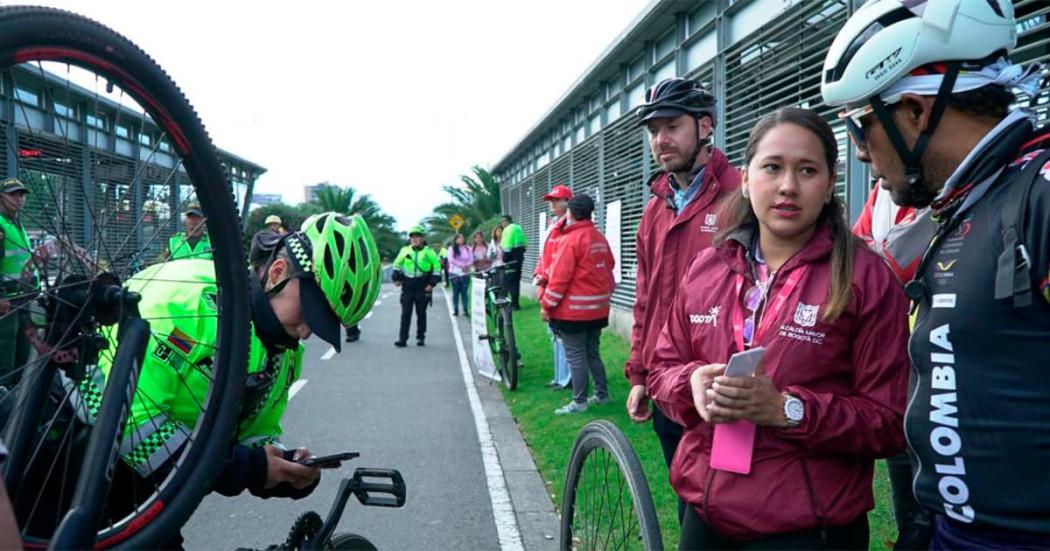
(477, 200)
(346, 200)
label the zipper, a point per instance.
(707, 493)
(813, 501)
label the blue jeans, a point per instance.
(460, 284)
(562, 374)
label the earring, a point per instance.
(743, 191)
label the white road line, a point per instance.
(296, 387)
(383, 296)
(378, 302)
(502, 508)
(368, 315)
(328, 355)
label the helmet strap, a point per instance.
(912, 157)
(700, 144)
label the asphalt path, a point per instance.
(405, 409)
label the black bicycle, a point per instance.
(112, 153)
(372, 487)
(500, 323)
(607, 504)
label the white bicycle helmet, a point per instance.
(886, 40)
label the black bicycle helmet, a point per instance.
(673, 97)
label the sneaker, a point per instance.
(571, 407)
(400, 344)
(596, 401)
(420, 342)
(553, 384)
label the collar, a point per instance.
(578, 224)
(740, 247)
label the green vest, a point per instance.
(513, 237)
(179, 247)
(179, 302)
(16, 252)
(419, 263)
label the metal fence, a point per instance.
(771, 65)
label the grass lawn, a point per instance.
(550, 437)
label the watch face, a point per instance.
(794, 410)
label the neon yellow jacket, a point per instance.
(179, 302)
(179, 247)
(513, 237)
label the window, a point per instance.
(636, 95)
(122, 131)
(164, 146)
(701, 51)
(665, 71)
(26, 96)
(637, 69)
(665, 45)
(64, 110)
(612, 111)
(595, 124)
(98, 121)
(145, 140)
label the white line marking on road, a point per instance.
(328, 355)
(383, 296)
(502, 508)
(296, 387)
(368, 315)
(378, 302)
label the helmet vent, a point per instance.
(340, 242)
(364, 250)
(321, 221)
(347, 296)
(329, 265)
(353, 261)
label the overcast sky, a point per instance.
(394, 98)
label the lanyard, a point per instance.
(770, 310)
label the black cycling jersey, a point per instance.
(978, 419)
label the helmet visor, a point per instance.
(318, 314)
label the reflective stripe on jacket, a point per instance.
(581, 280)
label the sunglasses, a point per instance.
(855, 125)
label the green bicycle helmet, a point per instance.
(345, 263)
(417, 230)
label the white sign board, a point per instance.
(542, 232)
(612, 235)
(478, 328)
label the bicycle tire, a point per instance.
(509, 353)
(36, 34)
(605, 436)
(351, 542)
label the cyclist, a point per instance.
(416, 270)
(679, 221)
(926, 92)
(194, 242)
(513, 243)
(15, 250)
(309, 281)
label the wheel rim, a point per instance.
(101, 206)
(604, 516)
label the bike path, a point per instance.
(400, 408)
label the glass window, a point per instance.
(122, 131)
(566, 144)
(98, 121)
(25, 96)
(665, 45)
(612, 111)
(701, 16)
(636, 95)
(637, 69)
(665, 71)
(64, 110)
(701, 51)
(581, 134)
(595, 124)
(145, 139)
(164, 146)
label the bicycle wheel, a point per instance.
(351, 542)
(607, 504)
(112, 153)
(509, 352)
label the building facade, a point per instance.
(755, 55)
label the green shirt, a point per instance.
(179, 302)
(179, 247)
(16, 252)
(513, 237)
(417, 263)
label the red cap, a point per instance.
(558, 192)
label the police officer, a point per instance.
(14, 253)
(514, 245)
(416, 269)
(194, 242)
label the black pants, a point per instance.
(512, 276)
(353, 332)
(914, 528)
(696, 534)
(413, 297)
(670, 434)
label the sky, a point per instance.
(394, 98)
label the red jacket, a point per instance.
(899, 234)
(851, 374)
(550, 244)
(581, 276)
(666, 244)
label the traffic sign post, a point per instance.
(456, 221)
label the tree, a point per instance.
(347, 201)
(477, 200)
(291, 216)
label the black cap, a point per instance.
(317, 312)
(194, 209)
(11, 185)
(581, 206)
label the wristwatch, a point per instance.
(794, 410)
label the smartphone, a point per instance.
(744, 364)
(328, 461)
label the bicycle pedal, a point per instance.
(378, 494)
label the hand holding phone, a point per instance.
(744, 364)
(328, 461)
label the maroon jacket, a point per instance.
(666, 244)
(851, 374)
